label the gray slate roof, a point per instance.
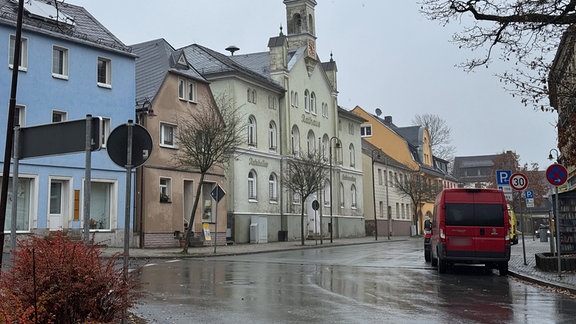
(213, 64)
(155, 59)
(86, 29)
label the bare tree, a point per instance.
(207, 139)
(305, 176)
(525, 33)
(440, 135)
(419, 189)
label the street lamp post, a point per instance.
(388, 211)
(331, 225)
(374, 194)
(556, 217)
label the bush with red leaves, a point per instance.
(57, 280)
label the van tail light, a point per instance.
(442, 235)
(507, 238)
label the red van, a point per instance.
(471, 226)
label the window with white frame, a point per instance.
(23, 66)
(354, 197)
(273, 187)
(60, 62)
(104, 72)
(165, 190)
(272, 136)
(251, 95)
(186, 90)
(105, 126)
(342, 195)
(295, 140)
(351, 128)
(324, 110)
(306, 102)
(327, 194)
(313, 103)
(102, 194)
(20, 116)
(58, 116)
(251, 131)
(191, 91)
(325, 147)
(252, 185)
(167, 135)
(311, 142)
(272, 102)
(24, 198)
(296, 198)
(352, 156)
(366, 130)
(380, 176)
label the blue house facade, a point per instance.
(71, 66)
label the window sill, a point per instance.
(174, 147)
(166, 202)
(60, 76)
(20, 68)
(274, 202)
(104, 85)
(252, 200)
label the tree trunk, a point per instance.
(188, 236)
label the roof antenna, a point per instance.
(232, 49)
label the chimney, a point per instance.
(388, 119)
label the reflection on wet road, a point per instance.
(372, 283)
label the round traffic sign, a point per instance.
(117, 145)
(315, 205)
(518, 181)
(556, 174)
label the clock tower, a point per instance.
(301, 25)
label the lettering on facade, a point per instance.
(310, 121)
(349, 178)
(259, 163)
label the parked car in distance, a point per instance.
(543, 229)
(471, 226)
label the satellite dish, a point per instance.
(378, 112)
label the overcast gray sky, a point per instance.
(388, 55)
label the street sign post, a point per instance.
(556, 174)
(518, 181)
(503, 182)
(217, 194)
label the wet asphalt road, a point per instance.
(371, 283)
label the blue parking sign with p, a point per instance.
(503, 177)
(529, 194)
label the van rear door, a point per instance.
(475, 225)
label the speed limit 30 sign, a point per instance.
(518, 181)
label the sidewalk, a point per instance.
(517, 268)
(529, 272)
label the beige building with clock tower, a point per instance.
(289, 99)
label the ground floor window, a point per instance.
(100, 205)
(22, 205)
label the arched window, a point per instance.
(272, 136)
(249, 95)
(295, 140)
(252, 131)
(327, 194)
(311, 142)
(313, 103)
(325, 147)
(273, 187)
(254, 96)
(353, 196)
(306, 103)
(352, 156)
(252, 185)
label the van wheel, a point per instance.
(503, 268)
(442, 266)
